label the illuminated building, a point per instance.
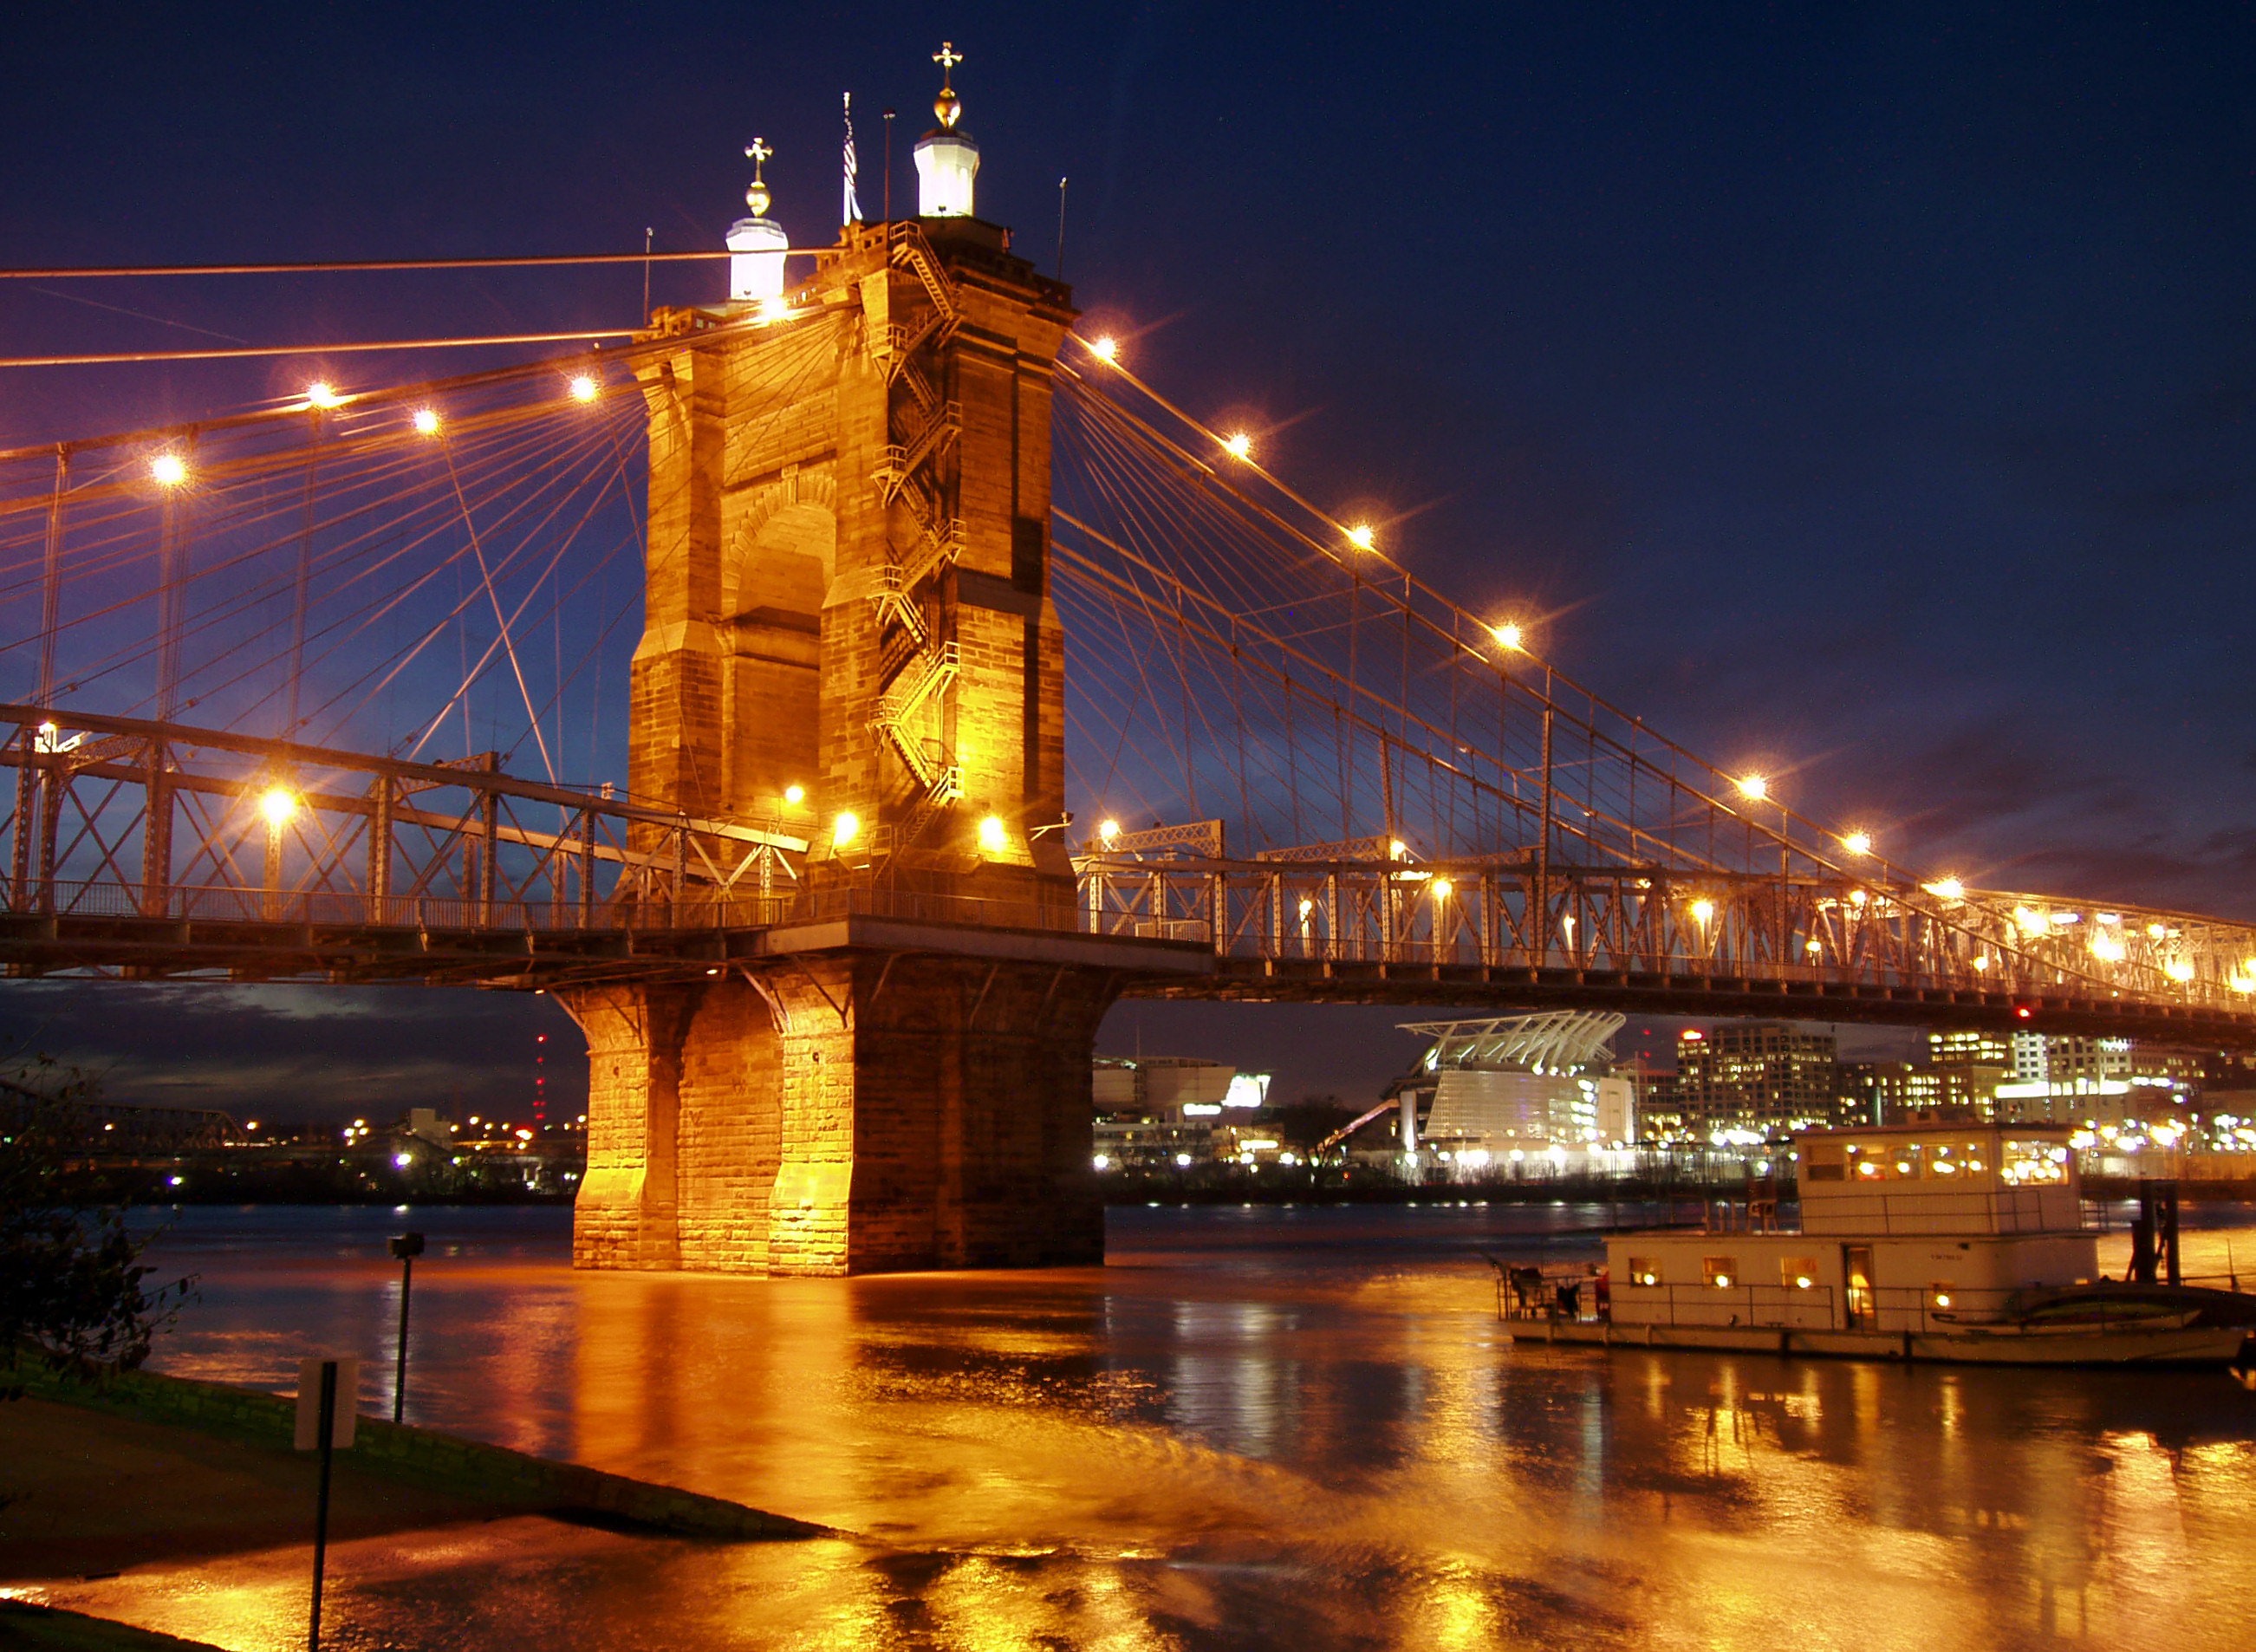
(1898, 1092)
(1755, 1076)
(1506, 1089)
(1153, 1113)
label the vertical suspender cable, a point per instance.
(51, 598)
(171, 600)
(304, 576)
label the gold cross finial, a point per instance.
(757, 151)
(947, 106)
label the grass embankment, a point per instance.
(411, 1458)
(100, 1476)
(45, 1629)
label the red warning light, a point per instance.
(2021, 1010)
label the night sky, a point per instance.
(1862, 397)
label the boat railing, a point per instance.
(1888, 1309)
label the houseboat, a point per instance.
(1961, 1243)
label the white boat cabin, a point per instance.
(1904, 1227)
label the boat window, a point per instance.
(1823, 1160)
(2034, 1163)
(1797, 1273)
(1645, 1270)
(1719, 1270)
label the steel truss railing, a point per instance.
(1511, 914)
(116, 818)
(120, 818)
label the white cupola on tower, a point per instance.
(759, 243)
(946, 160)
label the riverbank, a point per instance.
(389, 1466)
(158, 1475)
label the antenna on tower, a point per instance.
(1060, 256)
(889, 173)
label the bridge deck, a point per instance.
(539, 958)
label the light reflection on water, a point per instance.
(1253, 1426)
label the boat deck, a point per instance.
(2183, 1345)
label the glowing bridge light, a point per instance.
(1858, 842)
(426, 421)
(794, 795)
(1754, 786)
(845, 829)
(1982, 963)
(1396, 848)
(2107, 947)
(1108, 831)
(1106, 348)
(1703, 910)
(1363, 536)
(1442, 888)
(584, 388)
(168, 470)
(1238, 445)
(279, 805)
(992, 836)
(1307, 907)
(1507, 635)
(2179, 969)
(1946, 888)
(321, 393)
(2030, 922)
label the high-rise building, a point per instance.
(1756, 1076)
(1898, 1092)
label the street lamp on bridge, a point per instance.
(277, 806)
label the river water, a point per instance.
(1254, 1427)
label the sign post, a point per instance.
(324, 1425)
(407, 1248)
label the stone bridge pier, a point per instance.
(847, 1113)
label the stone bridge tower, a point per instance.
(849, 637)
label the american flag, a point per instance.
(852, 208)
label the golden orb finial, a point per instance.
(947, 107)
(756, 197)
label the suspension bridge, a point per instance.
(837, 696)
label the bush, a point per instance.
(73, 1288)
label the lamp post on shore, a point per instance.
(407, 1248)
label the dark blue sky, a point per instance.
(1864, 394)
